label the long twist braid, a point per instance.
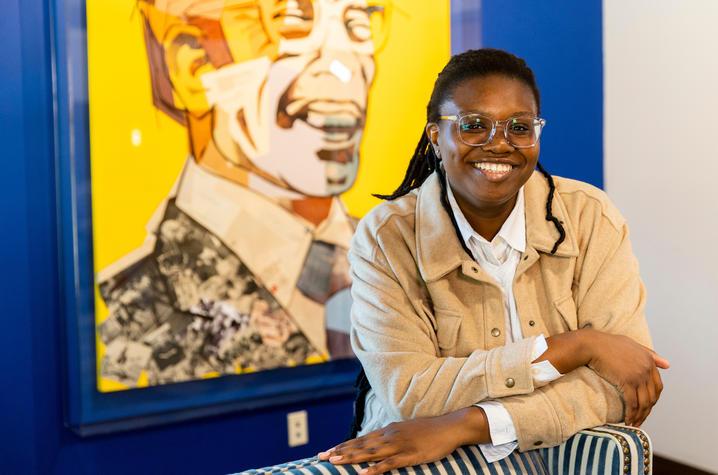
(549, 211)
(421, 166)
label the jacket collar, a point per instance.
(439, 250)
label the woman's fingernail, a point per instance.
(323, 454)
(336, 458)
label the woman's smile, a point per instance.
(494, 171)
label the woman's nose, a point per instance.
(498, 143)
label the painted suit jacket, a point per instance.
(227, 281)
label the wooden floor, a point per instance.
(663, 466)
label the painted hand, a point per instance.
(271, 326)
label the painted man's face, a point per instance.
(297, 116)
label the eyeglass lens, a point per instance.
(475, 129)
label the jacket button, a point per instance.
(510, 382)
(495, 332)
(531, 323)
(538, 442)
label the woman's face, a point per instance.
(497, 97)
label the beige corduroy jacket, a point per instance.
(428, 322)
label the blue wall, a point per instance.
(33, 439)
(562, 42)
(563, 45)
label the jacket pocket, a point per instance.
(567, 309)
(447, 329)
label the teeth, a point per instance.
(337, 137)
(321, 120)
(493, 167)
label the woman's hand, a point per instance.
(407, 443)
(632, 368)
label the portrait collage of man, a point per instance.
(234, 144)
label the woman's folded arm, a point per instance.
(398, 348)
(621, 381)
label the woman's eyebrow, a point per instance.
(513, 114)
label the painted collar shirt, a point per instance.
(272, 242)
(500, 258)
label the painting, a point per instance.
(232, 145)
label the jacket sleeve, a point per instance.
(397, 345)
(610, 297)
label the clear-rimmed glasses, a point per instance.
(477, 129)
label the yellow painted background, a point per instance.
(129, 179)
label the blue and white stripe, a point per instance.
(605, 450)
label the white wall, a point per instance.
(661, 169)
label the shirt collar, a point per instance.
(440, 252)
(513, 231)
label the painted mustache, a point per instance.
(340, 121)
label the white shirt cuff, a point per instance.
(542, 372)
(501, 426)
(501, 429)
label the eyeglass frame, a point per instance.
(494, 124)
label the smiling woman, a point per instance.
(493, 304)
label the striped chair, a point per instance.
(605, 450)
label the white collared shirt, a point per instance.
(500, 258)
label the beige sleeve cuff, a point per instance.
(550, 415)
(508, 369)
(535, 421)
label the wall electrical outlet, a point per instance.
(297, 428)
